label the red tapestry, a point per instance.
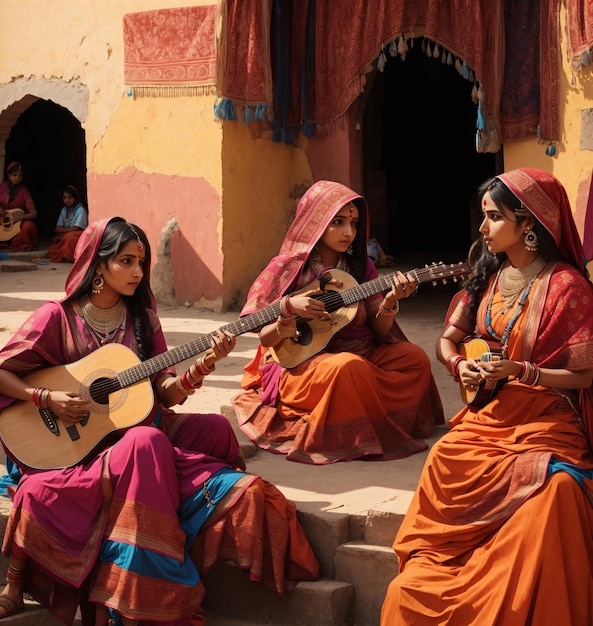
(171, 48)
(580, 31)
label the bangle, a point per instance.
(202, 369)
(285, 310)
(530, 374)
(383, 310)
(182, 388)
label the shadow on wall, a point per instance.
(180, 276)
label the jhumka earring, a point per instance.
(350, 249)
(530, 240)
(98, 282)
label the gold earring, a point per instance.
(98, 282)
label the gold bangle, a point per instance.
(389, 312)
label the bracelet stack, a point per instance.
(286, 320)
(530, 374)
(383, 310)
(453, 365)
(40, 397)
(187, 383)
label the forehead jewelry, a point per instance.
(140, 244)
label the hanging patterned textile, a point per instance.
(170, 52)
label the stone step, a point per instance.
(230, 594)
(369, 569)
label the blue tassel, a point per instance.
(465, 71)
(225, 110)
(248, 115)
(261, 112)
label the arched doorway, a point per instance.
(50, 143)
(420, 166)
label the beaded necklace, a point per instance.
(504, 338)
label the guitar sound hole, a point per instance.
(101, 388)
(306, 336)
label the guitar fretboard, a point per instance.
(187, 350)
(333, 301)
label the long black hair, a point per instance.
(482, 261)
(358, 259)
(116, 235)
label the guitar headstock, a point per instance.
(441, 272)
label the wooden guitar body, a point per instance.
(476, 348)
(24, 428)
(342, 304)
(315, 335)
(10, 225)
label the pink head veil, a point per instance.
(86, 252)
(315, 210)
(546, 198)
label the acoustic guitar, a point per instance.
(480, 350)
(115, 381)
(10, 224)
(342, 303)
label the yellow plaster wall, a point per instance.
(571, 164)
(262, 182)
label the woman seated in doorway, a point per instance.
(129, 531)
(500, 529)
(17, 211)
(369, 393)
(73, 219)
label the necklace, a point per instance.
(513, 280)
(318, 267)
(504, 338)
(103, 321)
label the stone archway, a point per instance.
(41, 126)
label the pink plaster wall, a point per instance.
(150, 200)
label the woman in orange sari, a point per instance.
(369, 393)
(500, 529)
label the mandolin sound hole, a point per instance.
(101, 388)
(306, 335)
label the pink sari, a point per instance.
(125, 544)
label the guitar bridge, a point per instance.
(49, 419)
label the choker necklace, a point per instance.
(513, 280)
(103, 321)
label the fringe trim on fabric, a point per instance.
(227, 109)
(171, 91)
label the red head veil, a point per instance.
(315, 211)
(546, 198)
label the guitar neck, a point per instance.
(187, 350)
(334, 300)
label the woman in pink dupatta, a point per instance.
(114, 534)
(500, 529)
(369, 393)
(15, 195)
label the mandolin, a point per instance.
(480, 350)
(10, 224)
(342, 303)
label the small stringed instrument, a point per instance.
(10, 224)
(480, 350)
(314, 335)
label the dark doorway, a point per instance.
(420, 167)
(50, 143)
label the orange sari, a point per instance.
(495, 534)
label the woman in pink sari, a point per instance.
(500, 529)
(369, 393)
(18, 228)
(126, 533)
